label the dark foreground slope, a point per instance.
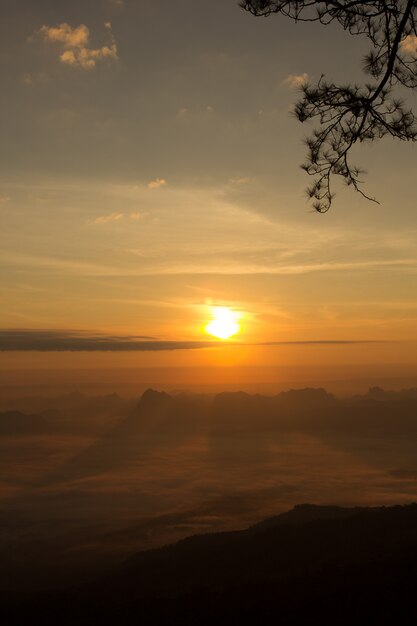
(312, 565)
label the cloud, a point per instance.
(27, 340)
(78, 341)
(70, 37)
(111, 217)
(409, 45)
(242, 180)
(74, 43)
(27, 79)
(322, 342)
(157, 183)
(195, 113)
(296, 80)
(117, 217)
(183, 112)
(33, 79)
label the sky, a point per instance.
(150, 171)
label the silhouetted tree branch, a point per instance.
(354, 113)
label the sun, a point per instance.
(224, 323)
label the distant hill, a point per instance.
(17, 423)
(313, 565)
(69, 403)
(304, 513)
(240, 427)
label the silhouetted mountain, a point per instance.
(17, 423)
(156, 421)
(307, 395)
(319, 565)
(377, 393)
(152, 400)
(240, 427)
(96, 489)
(303, 513)
(69, 403)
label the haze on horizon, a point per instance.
(86, 481)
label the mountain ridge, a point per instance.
(352, 565)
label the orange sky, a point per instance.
(150, 171)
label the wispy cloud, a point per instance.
(78, 341)
(296, 80)
(240, 180)
(75, 44)
(221, 265)
(117, 217)
(182, 112)
(247, 243)
(111, 217)
(34, 79)
(28, 340)
(157, 183)
(195, 112)
(321, 342)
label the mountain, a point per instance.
(16, 423)
(239, 428)
(303, 513)
(316, 565)
(152, 400)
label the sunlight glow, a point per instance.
(224, 323)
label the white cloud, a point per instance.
(74, 43)
(111, 217)
(65, 34)
(202, 111)
(33, 79)
(116, 217)
(27, 79)
(242, 180)
(182, 112)
(157, 183)
(409, 45)
(296, 80)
